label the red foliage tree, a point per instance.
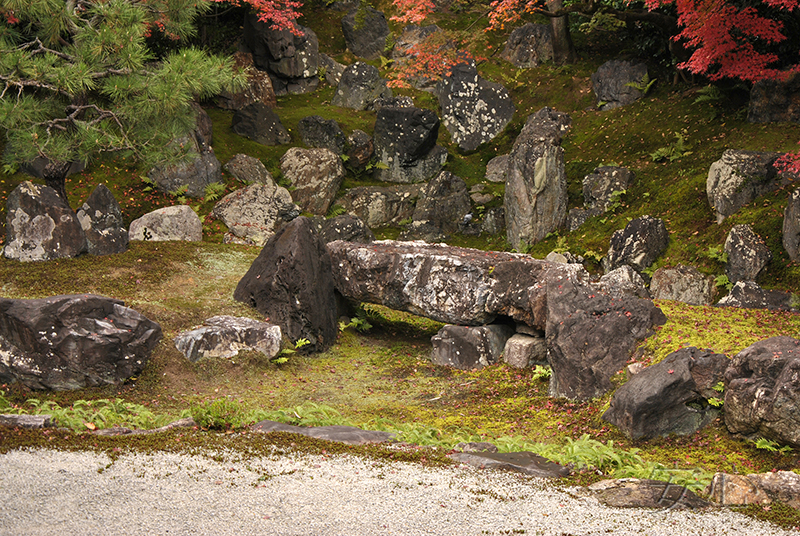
(280, 14)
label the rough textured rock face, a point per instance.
(639, 493)
(474, 110)
(224, 336)
(178, 222)
(339, 434)
(316, 175)
(624, 282)
(589, 335)
(40, 226)
(762, 395)
(610, 83)
(259, 86)
(638, 245)
(494, 221)
(525, 351)
(333, 69)
(772, 101)
(290, 284)
(101, 219)
(467, 348)
(761, 489)
(747, 254)
(529, 46)
(669, 397)
(536, 185)
(261, 124)
(359, 86)
(365, 32)
(35, 168)
(442, 204)
(253, 214)
(72, 342)
(453, 285)
(748, 295)
(523, 462)
(497, 168)
(201, 171)
(684, 284)
(360, 149)
(791, 226)
(600, 185)
(405, 141)
(322, 133)
(345, 227)
(291, 60)
(378, 206)
(738, 178)
(248, 170)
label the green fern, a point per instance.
(644, 86)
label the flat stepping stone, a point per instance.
(522, 462)
(641, 493)
(26, 421)
(340, 434)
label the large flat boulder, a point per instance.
(73, 341)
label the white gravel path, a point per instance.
(45, 492)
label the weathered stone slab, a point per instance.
(468, 347)
(764, 488)
(32, 422)
(640, 493)
(224, 336)
(521, 462)
(340, 434)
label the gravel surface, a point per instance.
(47, 492)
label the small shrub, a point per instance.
(220, 414)
(675, 151)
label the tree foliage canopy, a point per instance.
(77, 78)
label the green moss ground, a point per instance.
(384, 378)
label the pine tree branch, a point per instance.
(41, 49)
(23, 83)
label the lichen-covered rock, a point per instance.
(642, 493)
(258, 88)
(611, 83)
(254, 213)
(638, 245)
(178, 222)
(441, 206)
(468, 347)
(600, 186)
(261, 124)
(624, 281)
(670, 397)
(73, 341)
(315, 174)
(378, 205)
(359, 86)
(248, 170)
(365, 32)
(474, 110)
(101, 219)
(762, 394)
(322, 133)
(525, 351)
(345, 227)
(747, 254)
(684, 284)
(405, 142)
(225, 336)
(40, 226)
(497, 168)
(748, 295)
(791, 226)
(529, 46)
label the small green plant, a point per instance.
(149, 184)
(561, 245)
(541, 373)
(90, 414)
(719, 387)
(644, 85)
(717, 253)
(675, 151)
(722, 281)
(284, 355)
(772, 446)
(219, 414)
(602, 21)
(214, 191)
(716, 402)
(336, 210)
(615, 200)
(180, 194)
(321, 72)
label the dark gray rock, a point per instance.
(497, 168)
(600, 185)
(359, 86)
(224, 336)
(346, 227)
(72, 342)
(315, 174)
(360, 150)
(525, 351)
(383, 102)
(258, 89)
(255, 213)
(529, 46)
(670, 397)
(248, 170)
(610, 83)
(322, 133)
(101, 219)
(791, 226)
(333, 69)
(469, 347)
(748, 295)
(290, 283)
(35, 168)
(523, 462)
(442, 205)
(591, 335)
(738, 178)
(747, 254)
(494, 221)
(292, 60)
(576, 217)
(40, 226)
(365, 31)
(178, 222)
(762, 394)
(639, 493)
(474, 110)
(378, 206)
(405, 141)
(30, 422)
(536, 185)
(774, 101)
(684, 284)
(638, 245)
(339, 434)
(261, 124)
